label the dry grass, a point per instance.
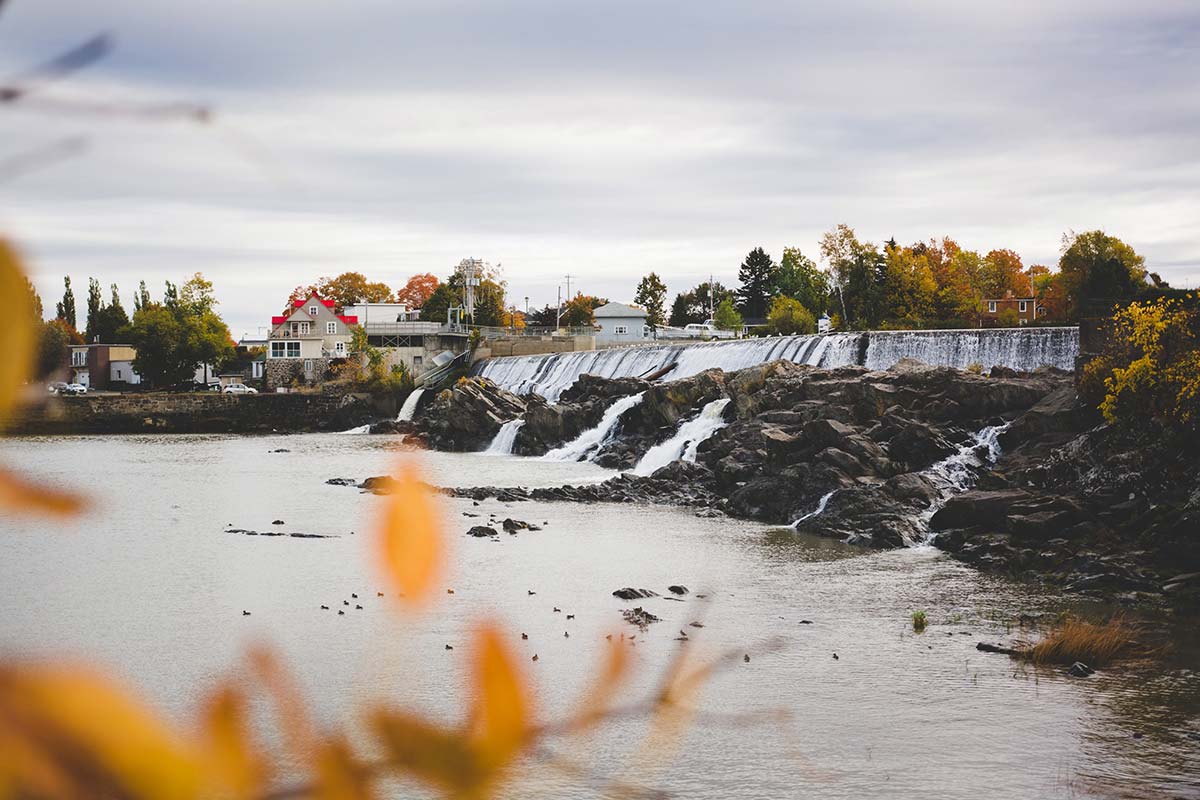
(1075, 639)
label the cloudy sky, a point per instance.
(604, 140)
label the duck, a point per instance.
(449, 591)
(352, 594)
(345, 602)
(566, 635)
(570, 616)
(245, 613)
(534, 657)
(530, 592)
(448, 647)
(835, 658)
(341, 613)
(746, 658)
(524, 635)
(379, 594)
(324, 608)
(557, 610)
(358, 607)
(609, 637)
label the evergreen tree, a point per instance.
(757, 275)
(66, 307)
(110, 321)
(651, 294)
(35, 300)
(142, 298)
(800, 278)
(173, 338)
(681, 310)
(94, 304)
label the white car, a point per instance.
(239, 388)
(707, 330)
(74, 388)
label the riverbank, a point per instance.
(194, 412)
(1003, 471)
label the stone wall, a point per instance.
(198, 412)
(287, 372)
(537, 345)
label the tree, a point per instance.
(55, 338)
(1096, 265)
(109, 321)
(35, 300)
(800, 278)
(1003, 272)
(651, 294)
(352, 288)
(788, 316)
(758, 278)
(418, 290)
(698, 304)
(176, 336)
(443, 298)
(909, 287)
(726, 317)
(681, 311)
(489, 304)
(142, 298)
(94, 303)
(546, 317)
(578, 311)
(66, 307)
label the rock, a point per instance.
(513, 525)
(481, 531)
(639, 617)
(976, 508)
(995, 648)
(280, 450)
(1080, 670)
(468, 416)
(278, 522)
(342, 482)
(629, 593)
(677, 589)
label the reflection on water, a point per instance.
(150, 584)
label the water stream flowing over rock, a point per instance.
(502, 445)
(592, 439)
(686, 441)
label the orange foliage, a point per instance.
(418, 290)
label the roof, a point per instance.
(619, 310)
(349, 320)
(324, 302)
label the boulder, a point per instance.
(480, 531)
(468, 415)
(629, 593)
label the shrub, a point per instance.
(975, 368)
(788, 316)
(1075, 639)
(919, 621)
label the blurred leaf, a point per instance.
(299, 735)
(437, 756)
(70, 724)
(410, 537)
(19, 495)
(16, 335)
(340, 776)
(501, 717)
(596, 702)
(230, 755)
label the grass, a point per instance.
(1075, 639)
(919, 621)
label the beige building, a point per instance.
(304, 343)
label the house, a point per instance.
(619, 323)
(304, 342)
(104, 366)
(1026, 310)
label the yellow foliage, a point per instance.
(501, 712)
(412, 548)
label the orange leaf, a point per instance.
(442, 758)
(18, 494)
(410, 537)
(16, 335)
(501, 714)
(299, 735)
(226, 736)
(596, 701)
(93, 733)
(340, 776)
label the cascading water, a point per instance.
(820, 509)
(502, 445)
(684, 443)
(409, 409)
(959, 471)
(591, 440)
(1017, 348)
(354, 431)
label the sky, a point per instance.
(599, 140)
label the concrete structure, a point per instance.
(1027, 309)
(619, 323)
(370, 313)
(305, 342)
(104, 366)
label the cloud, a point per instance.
(603, 140)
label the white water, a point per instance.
(1017, 348)
(502, 445)
(686, 440)
(410, 406)
(958, 472)
(820, 509)
(354, 431)
(591, 440)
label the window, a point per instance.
(339, 348)
(991, 306)
(308, 366)
(417, 361)
(620, 330)
(1023, 306)
(312, 311)
(285, 349)
(331, 327)
(305, 328)
(79, 358)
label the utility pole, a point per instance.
(568, 288)
(558, 317)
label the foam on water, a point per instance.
(588, 442)
(409, 409)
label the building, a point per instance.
(104, 366)
(371, 313)
(305, 343)
(619, 323)
(1026, 309)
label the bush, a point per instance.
(919, 621)
(1094, 644)
(788, 316)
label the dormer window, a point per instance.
(312, 311)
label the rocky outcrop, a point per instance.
(468, 416)
(579, 409)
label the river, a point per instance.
(150, 585)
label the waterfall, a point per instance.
(684, 442)
(959, 471)
(820, 509)
(502, 445)
(1017, 348)
(409, 409)
(584, 445)
(358, 430)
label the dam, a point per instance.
(1023, 349)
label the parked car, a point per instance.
(707, 330)
(73, 388)
(240, 388)
(56, 387)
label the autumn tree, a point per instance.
(908, 287)
(726, 317)
(578, 312)
(65, 310)
(1002, 272)
(800, 278)
(651, 295)
(1096, 265)
(418, 290)
(757, 275)
(788, 316)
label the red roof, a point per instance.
(301, 303)
(348, 320)
(278, 320)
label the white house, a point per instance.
(620, 324)
(304, 341)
